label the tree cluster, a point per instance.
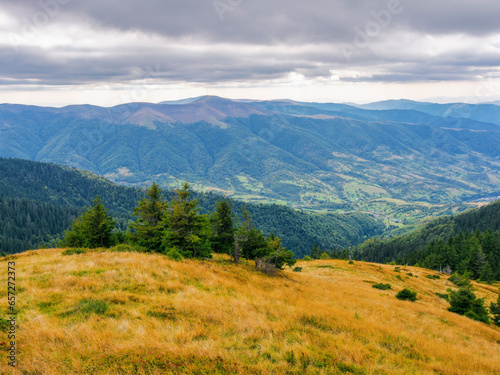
(177, 229)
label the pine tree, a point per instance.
(147, 230)
(278, 255)
(315, 251)
(487, 275)
(252, 241)
(223, 228)
(92, 229)
(465, 302)
(187, 232)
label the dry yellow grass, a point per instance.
(129, 313)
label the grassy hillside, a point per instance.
(129, 313)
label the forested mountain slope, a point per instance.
(464, 242)
(39, 201)
(311, 155)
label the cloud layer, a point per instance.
(246, 43)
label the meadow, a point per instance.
(105, 312)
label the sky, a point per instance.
(108, 52)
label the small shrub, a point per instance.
(307, 258)
(433, 277)
(382, 286)
(76, 250)
(351, 262)
(397, 269)
(325, 256)
(407, 295)
(297, 269)
(410, 274)
(465, 302)
(392, 263)
(399, 277)
(174, 254)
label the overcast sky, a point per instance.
(106, 52)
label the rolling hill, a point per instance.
(310, 155)
(107, 312)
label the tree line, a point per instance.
(54, 195)
(177, 229)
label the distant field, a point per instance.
(129, 313)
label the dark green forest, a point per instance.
(469, 242)
(51, 196)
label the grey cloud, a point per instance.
(322, 25)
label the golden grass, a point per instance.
(129, 313)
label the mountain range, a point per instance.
(321, 156)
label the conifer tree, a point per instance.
(315, 251)
(223, 228)
(147, 230)
(252, 241)
(92, 229)
(187, 232)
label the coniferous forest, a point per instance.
(469, 242)
(52, 196)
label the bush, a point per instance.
(351, 262)
(174, 254)
(77, 250)
(382, 286)
(465, 302)
(410, 274)
(433, 277)
(307, 258)
(297, 269)
(407, 295)
(325, 256)
(399, 277)
(397, 269)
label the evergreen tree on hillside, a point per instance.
(147, 230)
(278, 255)
(92, 229)
(465, 302)
(252, 241)
(315, 251)
(223, 227)
(187, 231)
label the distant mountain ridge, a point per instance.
(311, 155)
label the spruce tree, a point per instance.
(223, 228)
(92, 229)
(252, 241)
(465, 302)
(147, 230)
(187, 232)
(315, 251)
